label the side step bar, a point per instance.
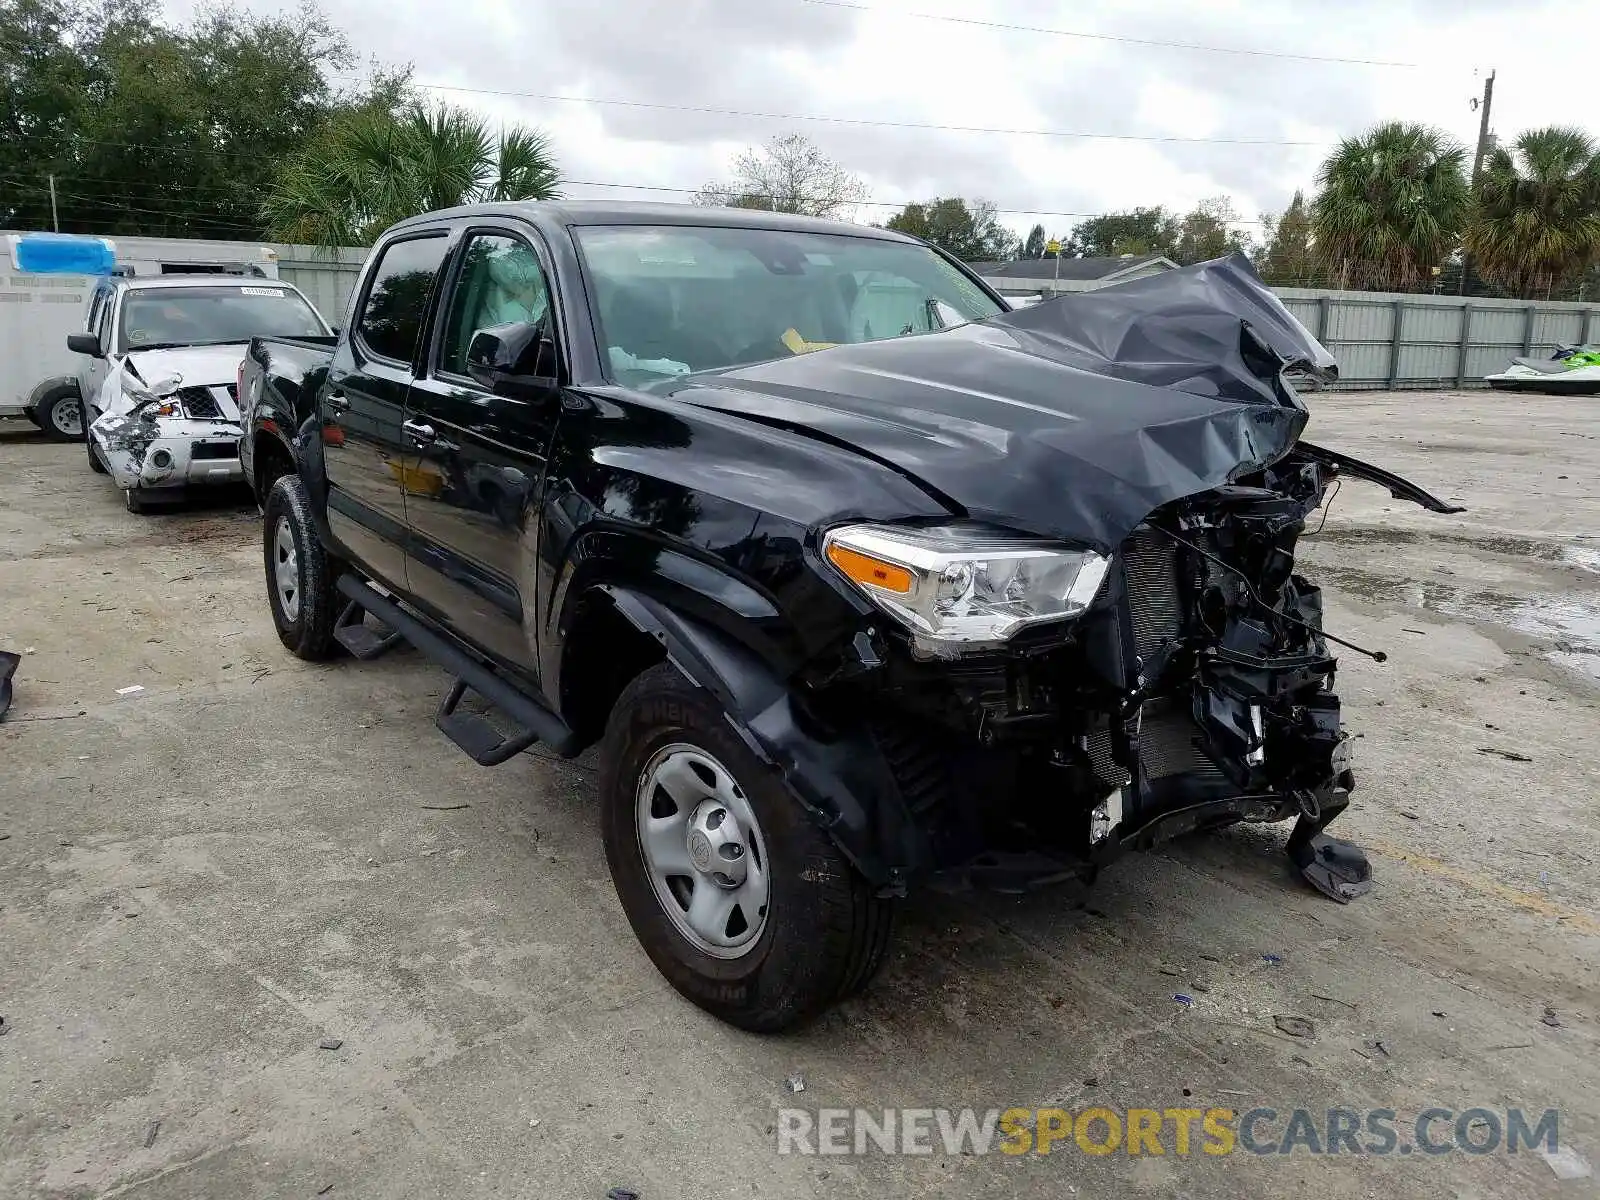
(485, 744)
(356, 636)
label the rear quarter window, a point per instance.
(397, 298)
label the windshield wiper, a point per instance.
(230, 341)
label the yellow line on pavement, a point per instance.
(1473, 881)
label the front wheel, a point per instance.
(95, 465)
(300, 572)
(739, 899)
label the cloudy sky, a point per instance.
(1250, 117)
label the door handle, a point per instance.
(337, 402)
(421, 434)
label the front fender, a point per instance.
(840, 777)
(46, 387)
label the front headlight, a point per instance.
(960, 587)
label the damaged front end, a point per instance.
(1147, 662)
(1194, 689)
(165, 436)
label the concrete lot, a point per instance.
(201, 880)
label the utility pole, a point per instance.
(55, 221)
(1483, 127)
(1477, 159)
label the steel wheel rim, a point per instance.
(703, 850)
(286, 569)
(67, 418)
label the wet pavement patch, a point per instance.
(1569, 622)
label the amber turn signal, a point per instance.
(863, 568)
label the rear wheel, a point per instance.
(60, 414)
(739, 899)
(300, 572)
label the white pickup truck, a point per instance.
(158, 373)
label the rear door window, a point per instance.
(397, 298)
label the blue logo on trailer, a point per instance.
(62, 254)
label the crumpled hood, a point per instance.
(200, 366)
(1074, 418)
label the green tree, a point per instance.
(790, 174)
(1536, 223)
(373, 168)
(1136, 231)
(1034, 246)
(968, 231)
(1208, 232)
(157, 129)
(1288, 255)
(1391, 206)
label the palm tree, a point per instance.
(374, 168)
(1537, 221)
(1391, 206)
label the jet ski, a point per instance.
(1571, 371)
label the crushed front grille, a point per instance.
(199, 403)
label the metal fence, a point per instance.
(1392, 340)
(326, 276)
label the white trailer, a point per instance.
(40, 307)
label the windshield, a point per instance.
(678, 299)
(195, 316)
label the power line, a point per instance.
(866, 121)
(1106, 37)
(1015, 212)
(612, 184)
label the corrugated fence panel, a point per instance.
(325, 275)
(1442, 339)
(1552, 329)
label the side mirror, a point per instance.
(85, 343)
(516, 360)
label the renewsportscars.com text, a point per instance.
(1164, 1131)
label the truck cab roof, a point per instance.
(639, 212)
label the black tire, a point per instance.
(95, 465)
(134, 501)
(308, 632)
(825, 935)
(61, 405)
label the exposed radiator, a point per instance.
(1150, 568)
(1169, 741)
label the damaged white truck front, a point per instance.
(160, 377)
(168, 434)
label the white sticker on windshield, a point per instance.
(275, 293)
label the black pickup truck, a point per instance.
(858, 577)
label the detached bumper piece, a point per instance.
(1338, 869)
